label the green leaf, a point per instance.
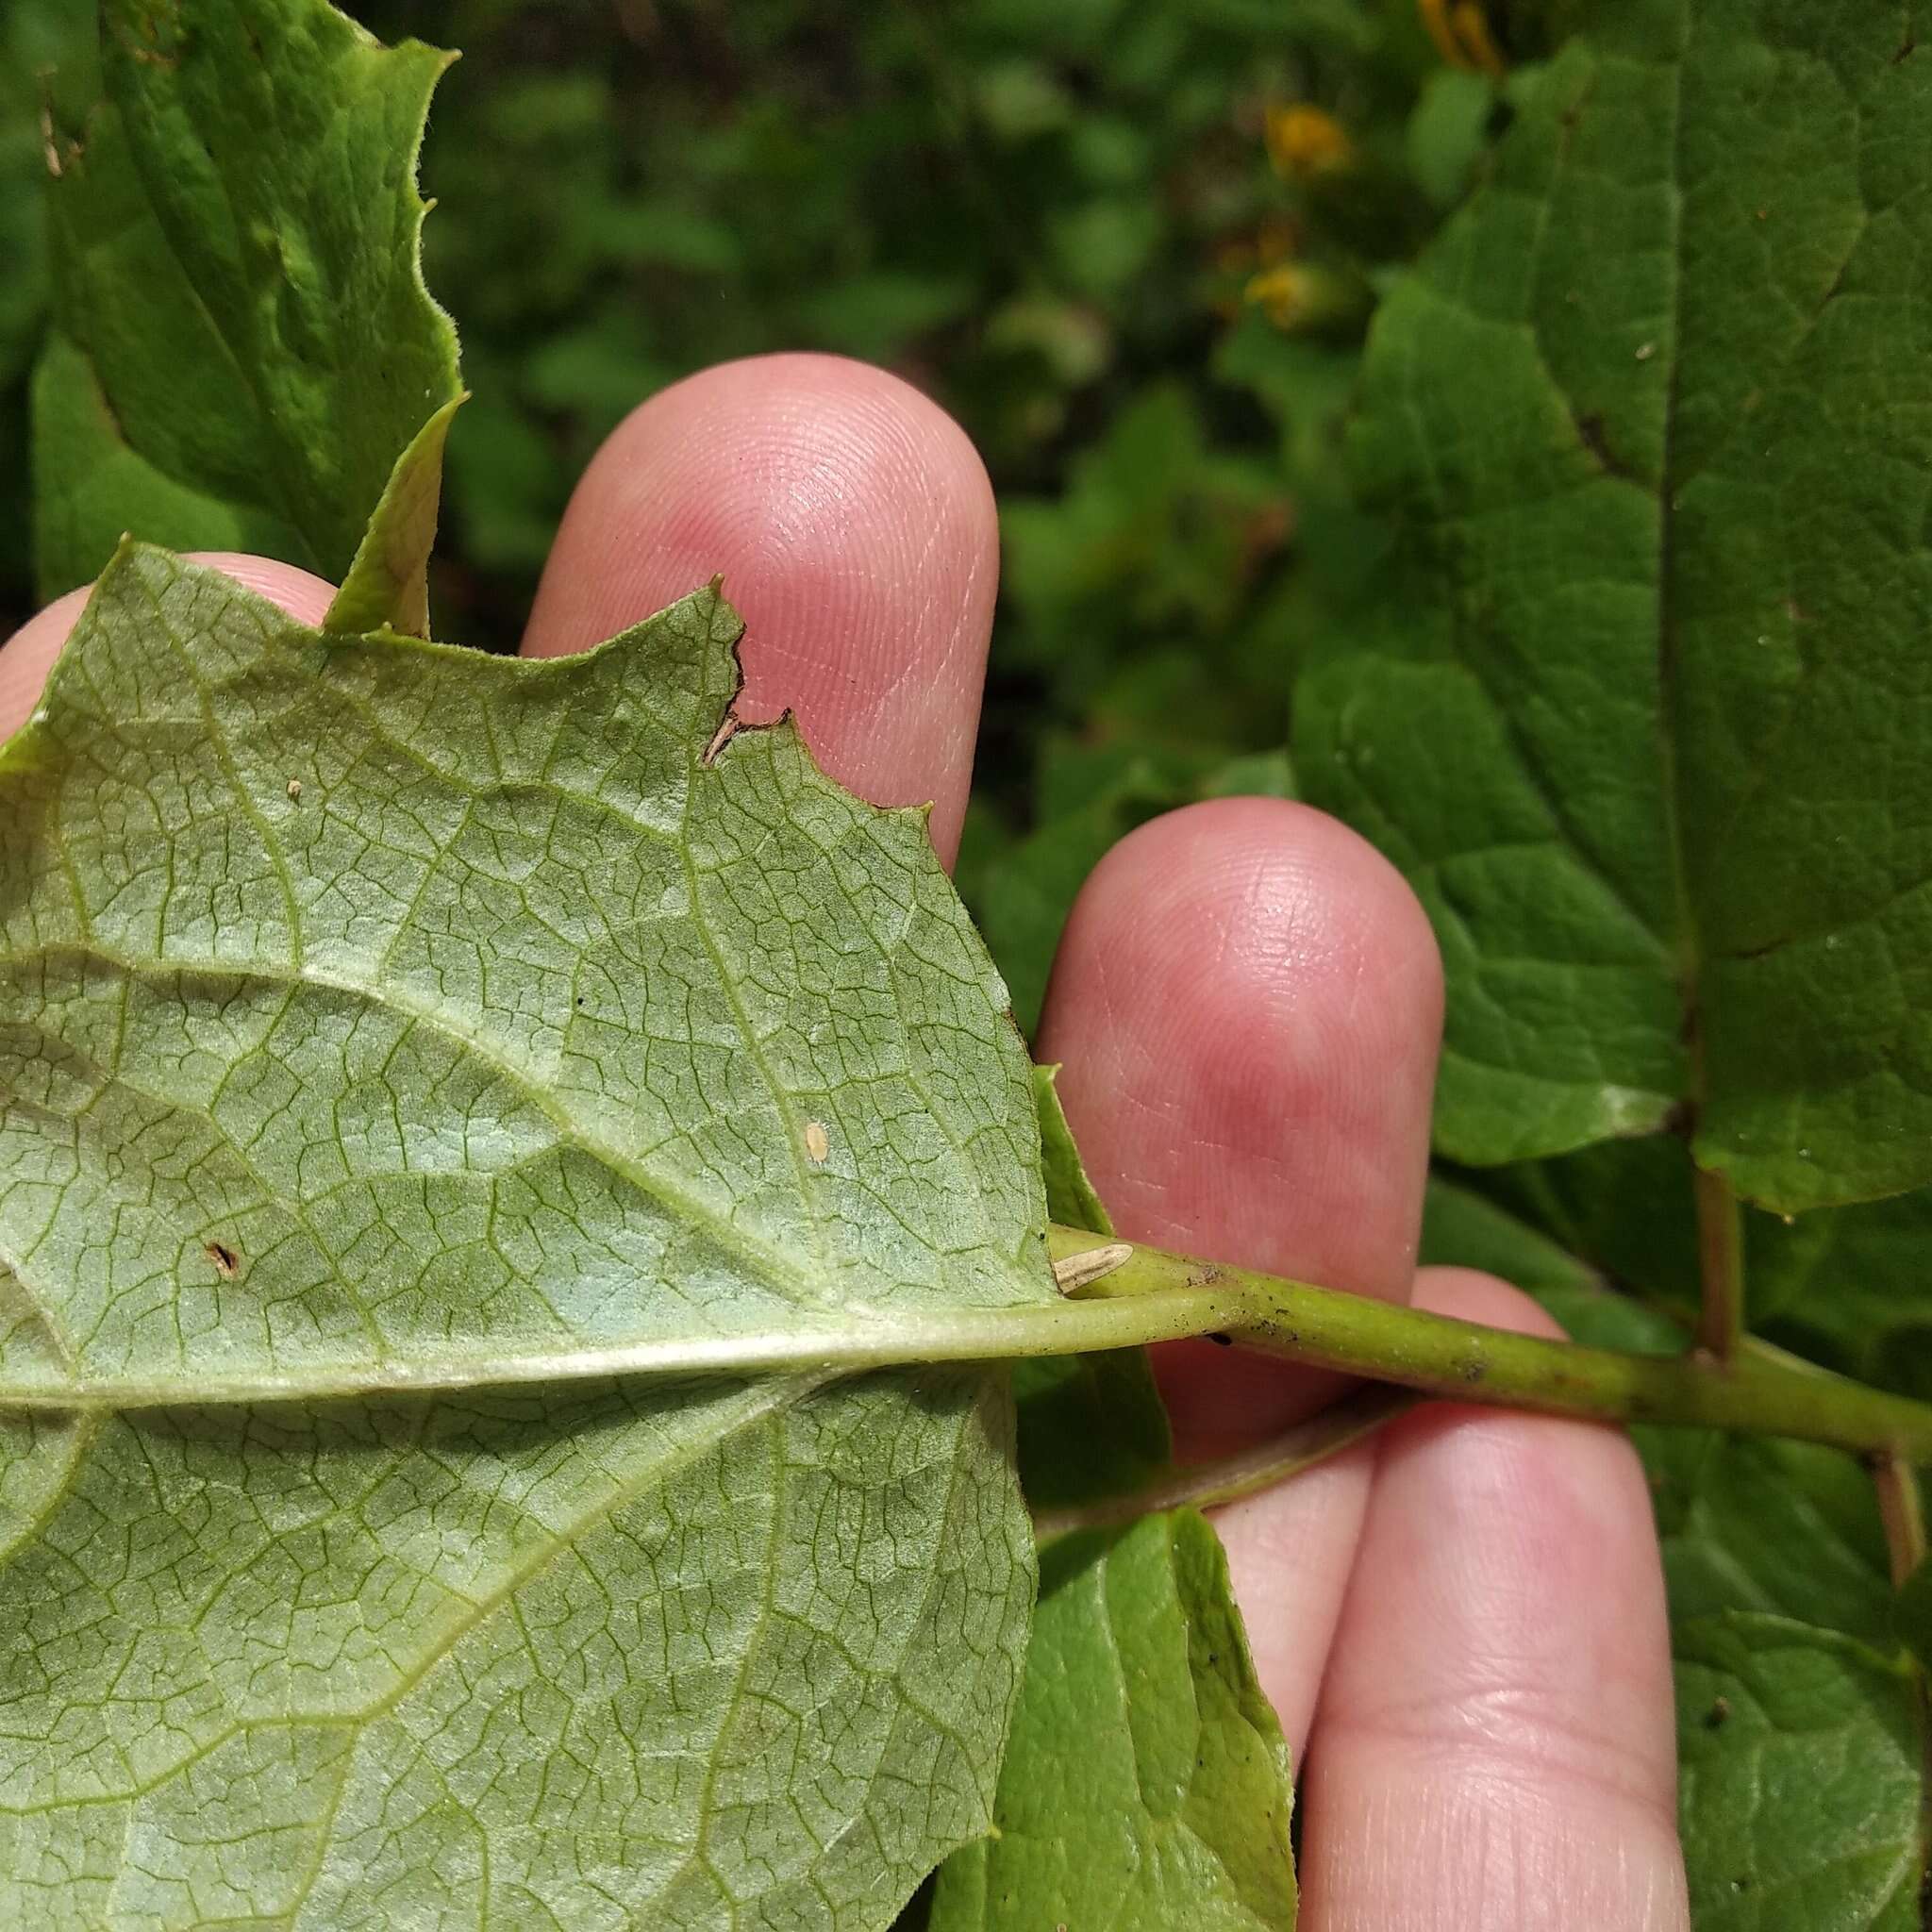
(1912, 1613)
(372, 1010)
(1462, 1229)
(1070, 1196)
(1027, 893)
(1845, 1287)
(1089, 1426)
(612, 1656)
(479, 1015)
(1799, 1781)
(1147, 1785)
(1781, 1527)
(1645, 722)
(245, 347)
(388, 585)
(1852, 1288)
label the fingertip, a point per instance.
(1503, 1665)
(304, 595)
(853, 522)
(1247, 1001)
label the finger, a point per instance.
(1247, 1002)
(1496, 1743)
(29, 654)
(854, 527)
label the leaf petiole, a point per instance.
(1754, 1393)
(1149, 1297)
(1228, 1478)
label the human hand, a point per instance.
(1461, 1621)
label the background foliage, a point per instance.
(1065, 223)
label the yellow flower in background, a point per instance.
(1461, 31)
(1304, 140)
(1282, 295)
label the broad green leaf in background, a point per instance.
(244, 347)
(1912, 1613)
(1147, 1785)
(1853, 1289)
(38, 38)
(1800, 1779)
(371, 1007)
(1647, 723)
(1464, 1230)
(1847, 1287)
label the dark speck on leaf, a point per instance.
(1222, 1339)
(1714, 1717)
(228, 1262)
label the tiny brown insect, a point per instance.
(295, 788)
(228, 1262)
(818, 1143)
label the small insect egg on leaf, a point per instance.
(818, 1143)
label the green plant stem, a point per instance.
(1753, 1394)
(1902, 1510)
(1228, 1478)
(1720, 1265)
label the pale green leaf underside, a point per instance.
(1147, 1785)
(364, 1005)
(733, 1655)
(1647, 724)
(244, 347)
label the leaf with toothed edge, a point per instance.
(1148, 1784)
(244, 354)
(1644, 716)
(366, 1003)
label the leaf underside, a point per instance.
(366, 1002)
(1646, 722)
